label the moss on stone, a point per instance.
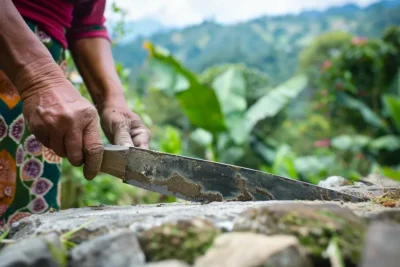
(183, 240)
(313, 225)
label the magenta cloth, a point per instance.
(66, 20)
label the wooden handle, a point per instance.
(114, 160)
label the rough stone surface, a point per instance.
(35, 252)
(313, 225)
(382, 246)
(251, 250)
(390, 216)
(380, 180)
(364, 191)
(142, 217)
(168, 263)
(118, 249)
(99, 221)
(184, 240)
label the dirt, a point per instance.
(390, 198)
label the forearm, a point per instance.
(95, 63)
(22, 55)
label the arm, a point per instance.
(91, 50)
(52, 107)
(95, 63)
(18, 62)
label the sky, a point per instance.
(178, 13)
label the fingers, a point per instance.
(140, 134)
(122, 136)
(93, 149)
(141, 137)
(74, 147)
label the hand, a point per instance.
(123, 127)
(62, 120)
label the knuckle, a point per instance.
(89, 111)
(94, 149)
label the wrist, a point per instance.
(116, 101)
(38, 76)
(111, 95)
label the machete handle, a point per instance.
(114, 160)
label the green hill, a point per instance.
(270, 44)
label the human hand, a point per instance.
(62, 120)
(123, 127)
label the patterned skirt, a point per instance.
(29, 172)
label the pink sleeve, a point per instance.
(88, 21)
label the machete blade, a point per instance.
(206, 181)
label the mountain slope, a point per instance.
(271, 44)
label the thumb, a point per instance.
(122, 136)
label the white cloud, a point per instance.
(184, 12)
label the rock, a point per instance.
(138, 217)
(168, 263)
(35, 252)
(117, 249)
(252, 250)
(84, 234)
(333, 181)
(142, 217)
(313, 225)
(380, 180)
(390, 198)
(382, 246)
(183, 240)
(389, 216)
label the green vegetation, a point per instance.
(184, 240)
(336, 113)
(271, 43)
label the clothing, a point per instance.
(66, 20)
(29, 172)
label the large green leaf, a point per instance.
(201, 136)
(231, 91)
(235, 122)
(393, 105)
(369, 116)
(274, 101)
(199, 103)
(167, 79)
(230, 88)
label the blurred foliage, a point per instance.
(338, 114)
(270, 43)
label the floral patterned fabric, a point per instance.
(29, 172)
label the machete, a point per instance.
(206, 181)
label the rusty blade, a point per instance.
(205, 181)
